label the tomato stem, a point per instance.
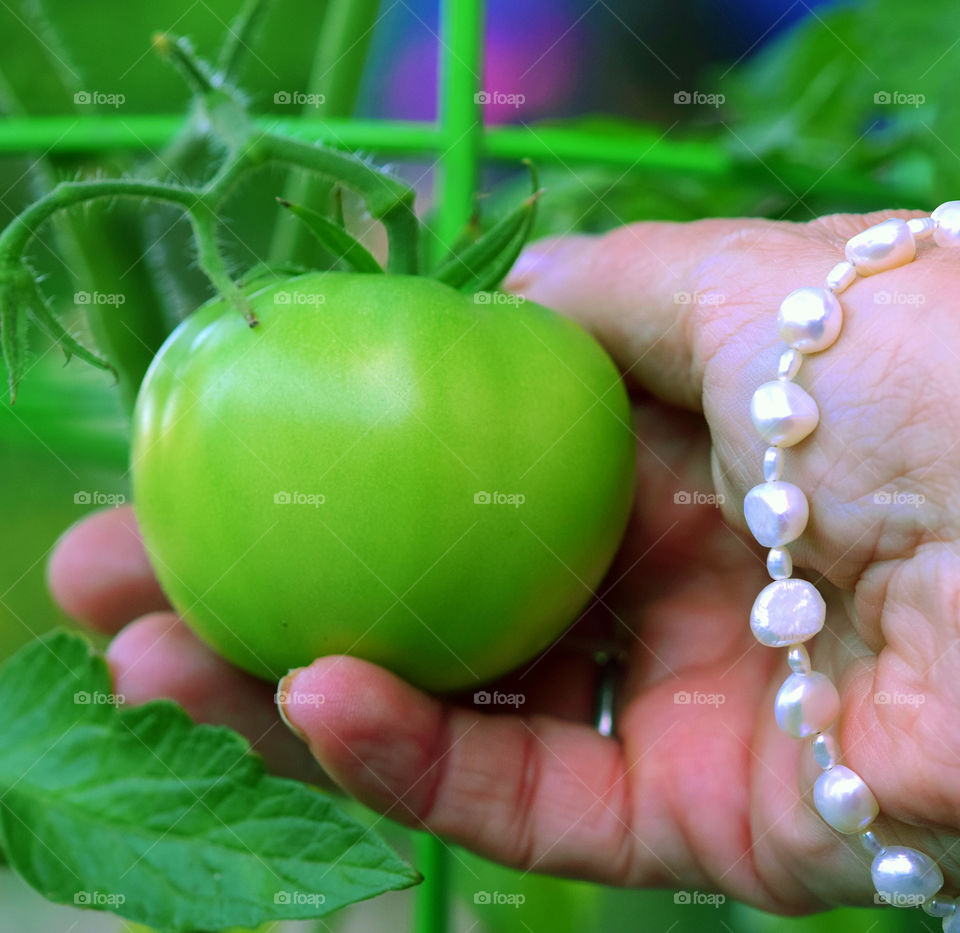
(204, 222)
(180, 52)
(224, 120)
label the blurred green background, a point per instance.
(750, 108)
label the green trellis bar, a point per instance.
(459, 114)
(456, 142)
(642, 149)
(104, 132)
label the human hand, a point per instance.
(698, 794)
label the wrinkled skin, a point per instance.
(685, 795)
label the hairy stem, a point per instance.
(204, 221)
(19, 232)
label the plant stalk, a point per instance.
(335, 74)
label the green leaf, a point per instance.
(335, 239)
(168, 823)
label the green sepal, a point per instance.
(335, 239)
(490, 257)
(336, 208)
(68, 343)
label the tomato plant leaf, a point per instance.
(334, 238)
(143, 812)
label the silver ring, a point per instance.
(608, 679)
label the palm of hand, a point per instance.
(882, 472)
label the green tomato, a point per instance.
(385, 468)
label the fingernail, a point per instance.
(285, 689)
(525, 269)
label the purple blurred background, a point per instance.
(542, 54)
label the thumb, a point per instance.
(640, 290)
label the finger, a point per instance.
(660, 296)
(158, 656)
(528, 791)
(99, 572)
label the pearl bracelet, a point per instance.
(790, 611)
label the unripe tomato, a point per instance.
(384, 467)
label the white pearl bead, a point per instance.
(776, 513)
(951, 924)
(789, 364)
(844, 801)
(922, 227)
(872, 844)
(883, 246)
(905, 877)
(946, 220)
(799, 659)
(825, 751)
(940, 907)
(787, 612)
(841, 277)
(772, 464)
(810, 319)
(806, 703)
(783, 413)
(779, 563)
